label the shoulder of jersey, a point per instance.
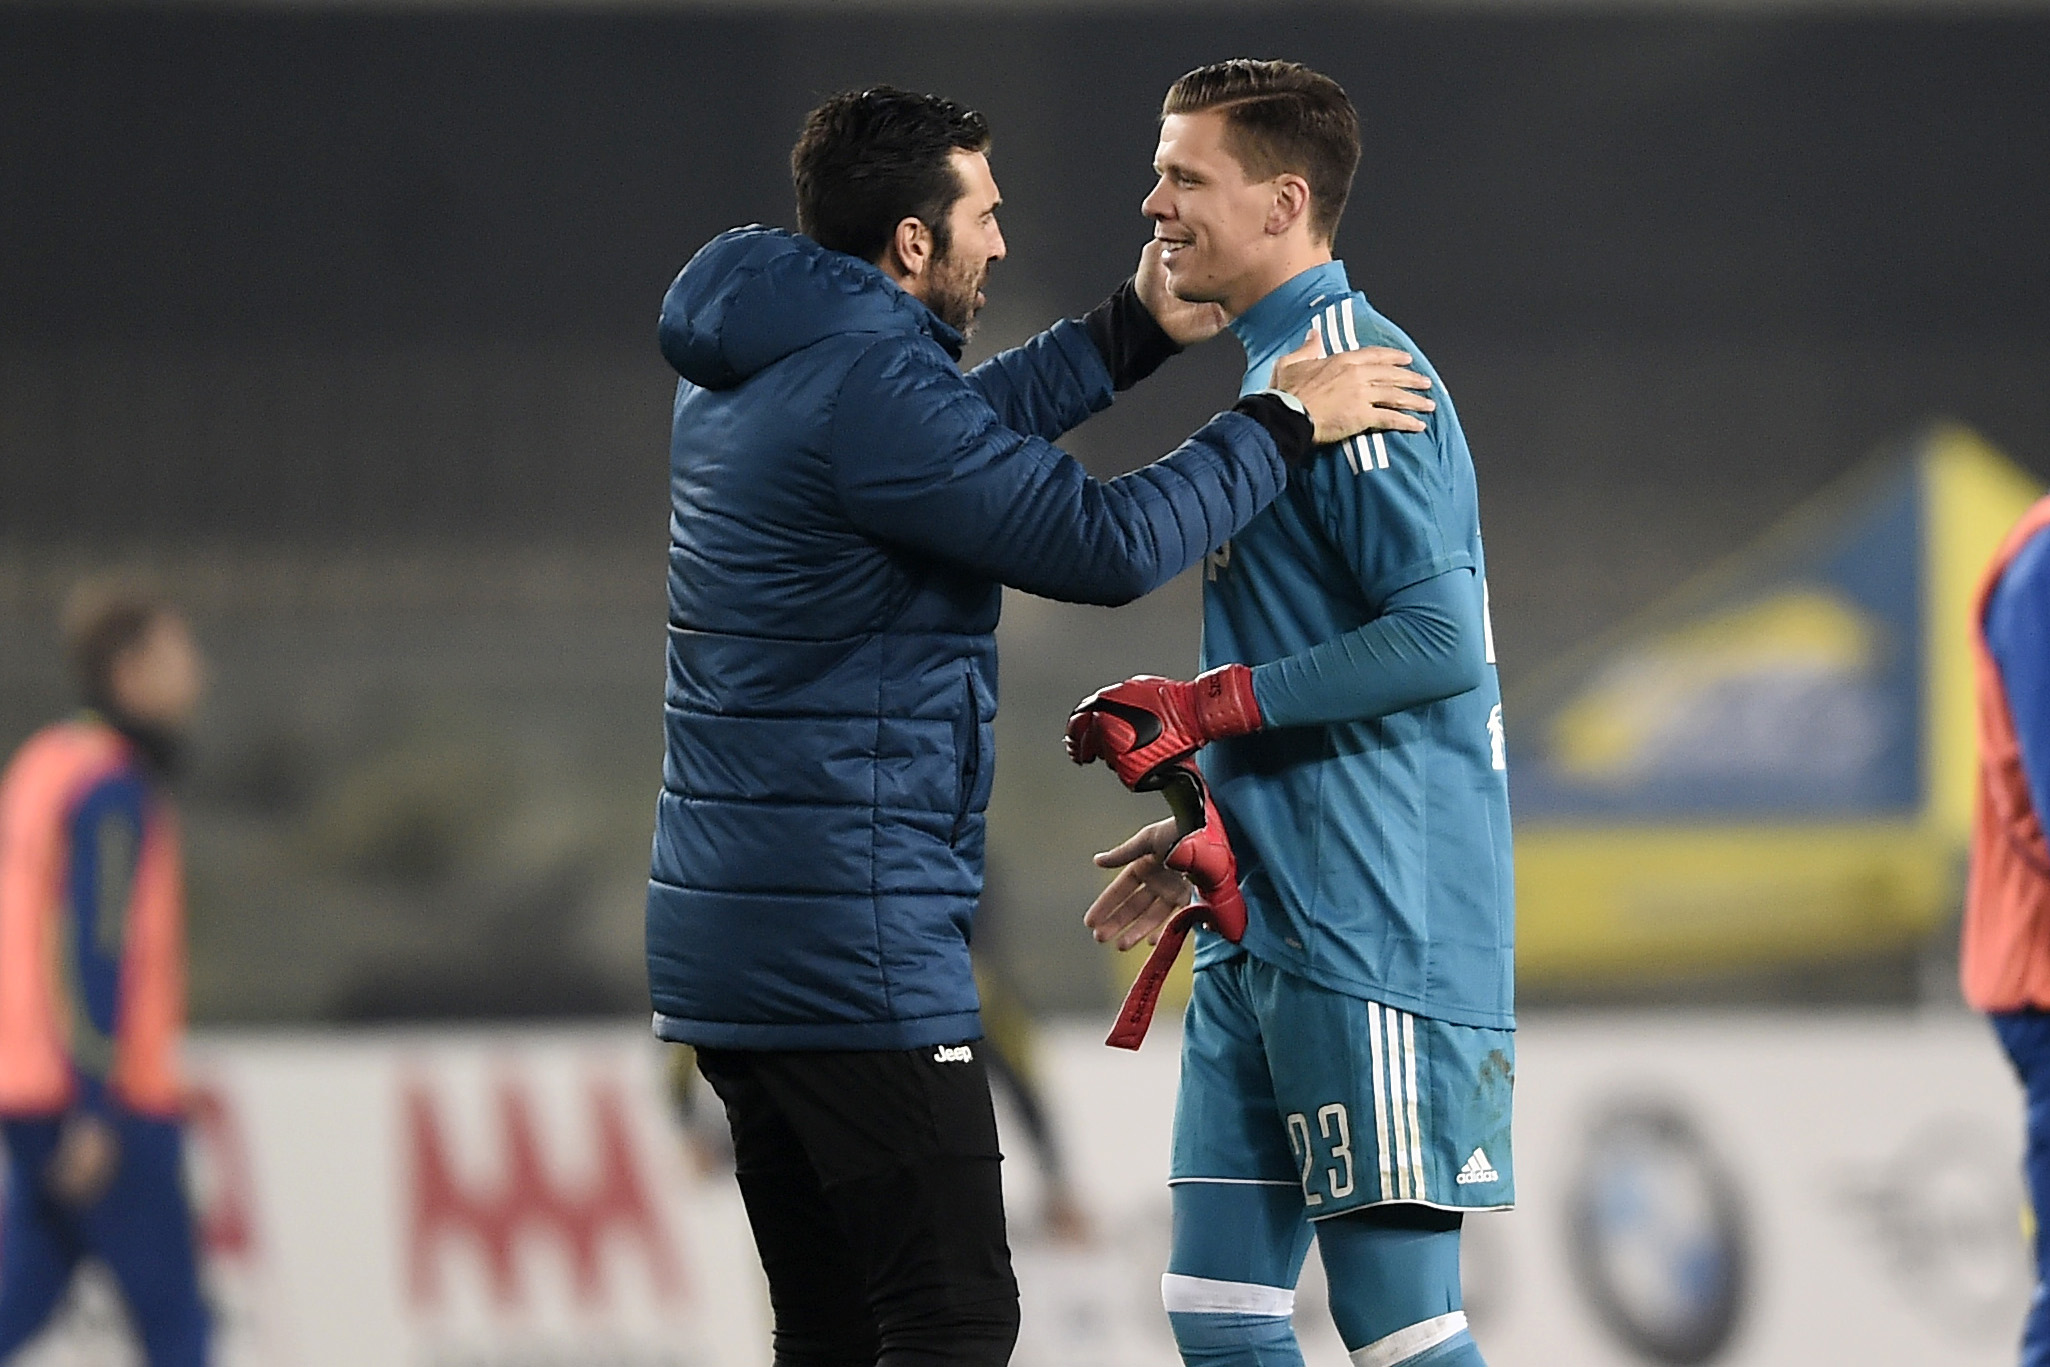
(1340, 324)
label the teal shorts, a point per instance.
(1285, 1083)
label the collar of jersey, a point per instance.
(1275, 326)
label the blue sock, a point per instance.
(1458, 1351)
(1229, 1340)
(1394, 1280)
(1229, 1290)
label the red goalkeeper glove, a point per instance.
(1146, 722)
(1203, 856)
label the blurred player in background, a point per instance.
(847, 504)
(1013, 1039)
(1348, 1051)
(92, 986)
(1012, 1032)
(2005, 958)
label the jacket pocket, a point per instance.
(967, 750)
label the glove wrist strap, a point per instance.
(1225, 702)
(1136, 1015)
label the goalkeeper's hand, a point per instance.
(1147, 722)
(1145, 893)
(1157, 868)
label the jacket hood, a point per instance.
(753, 295)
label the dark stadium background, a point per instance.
(342, 322)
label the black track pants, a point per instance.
(872, 1185)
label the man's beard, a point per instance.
(955, 286)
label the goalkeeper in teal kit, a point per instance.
(1341, 803)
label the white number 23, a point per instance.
(1334, 1127)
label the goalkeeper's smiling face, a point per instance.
(1225, 238)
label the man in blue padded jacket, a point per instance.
(1347, 1055)
(846, 504)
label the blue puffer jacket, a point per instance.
(845, 505)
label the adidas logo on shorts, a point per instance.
(953, 1053)
(1477, 1169)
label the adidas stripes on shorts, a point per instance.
(1286, 1083)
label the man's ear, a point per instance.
(1291, 203)
(910, 249)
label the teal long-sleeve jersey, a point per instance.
(1373, 850)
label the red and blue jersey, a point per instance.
(2005, 959)
(92, 971)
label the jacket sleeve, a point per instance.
(2018, 636)
(1047, 386)
(922, 460)
(106, 842)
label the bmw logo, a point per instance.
(1657, 1239)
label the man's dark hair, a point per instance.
(1280, 116)
(104, 620)
(868, 160)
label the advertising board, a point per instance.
(1757, 1190)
